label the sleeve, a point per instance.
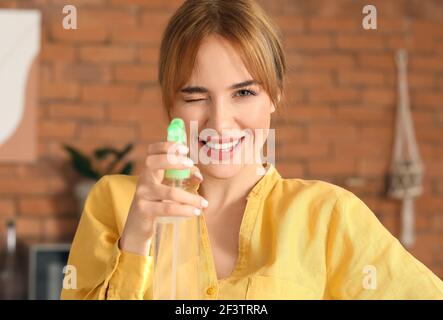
(365, 261)
(98, 268)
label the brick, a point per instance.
(375, 60)
(55, 149)
(59, 90)
(148, 55)
(59, 228)
(284, 133)
(308, 42)
(82, 72)
(329, 167)
(152, 130)
(137, 35)
(81, 3)
(107, 54)
(416, 80)
(107, 132)
(376, 133)
(333, 24)
(423, 117)
(57, 129)
(8, 170)
(360, 78)
(57, 52)
(28, 227)
(65, 111)
(138, 73)
(7, 208)
(380, 97)
(331, 132)
(311, 113)
(138, 113)
(393, 26)
(422, 249)
(81, 34)
(428, 63)
(151, 4)
(47, 206)
(151, 96)
(111, 18)
(369, 149)
(429, 134)
(333, 95)
(155, 20)
(368, 186)
(46, 72)
(307, 151)
(351, 42)
(364, 114)
(290, 24)
(429, 203)
(322, 61)
(8, 4)
(368, 167)
(308, 79)
(294, 96)
(428, 99)
(109, 93)
(290, 169)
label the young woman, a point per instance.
(222, 66)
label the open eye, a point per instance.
(245, 93)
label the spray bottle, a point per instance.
(176, 239)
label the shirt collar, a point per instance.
(266, 183)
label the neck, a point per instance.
(231, 192)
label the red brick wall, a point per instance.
(98, 86)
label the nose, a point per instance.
(221, 116)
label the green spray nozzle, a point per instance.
(177, 133)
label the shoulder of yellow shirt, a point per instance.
(285, 186)
(314, 192)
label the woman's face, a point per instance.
(222, 107)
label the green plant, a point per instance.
(84, 164)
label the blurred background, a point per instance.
(90, 105)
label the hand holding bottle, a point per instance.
(152, 198)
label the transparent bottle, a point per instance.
(176, 242)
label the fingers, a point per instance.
(195, 171)
(196, 176)
(168, 161)
(166, 208)
(163, 192)
(167, 147)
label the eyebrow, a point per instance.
(197, 89)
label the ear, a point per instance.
(273, 105)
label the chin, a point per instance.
(221, 171)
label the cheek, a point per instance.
(258, 116)
(188, 113)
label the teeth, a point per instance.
(223, 146)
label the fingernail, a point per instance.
(182, 149)
(188, 162)
(198, 175)
(197, 212)
(204, 203)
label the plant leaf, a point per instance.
(102, 153)
(126, 149)
(81, 163)
(127, 169)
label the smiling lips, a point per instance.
(218, 146)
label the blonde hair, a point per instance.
(242, 22)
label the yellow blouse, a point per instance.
(299, 239)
